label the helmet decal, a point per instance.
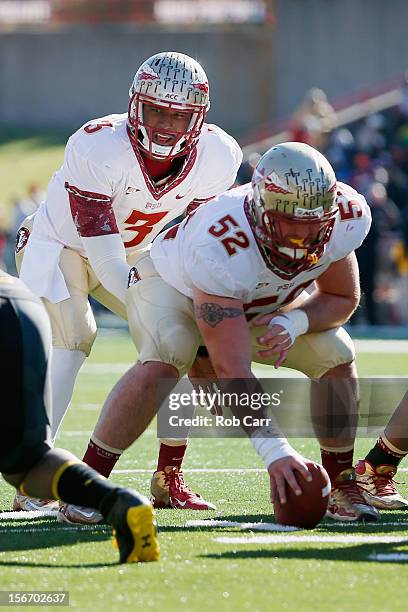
(293, 207)
(146, 73)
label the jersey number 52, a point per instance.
(237, 239)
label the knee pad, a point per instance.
(162, 323)
(316, 353)
(73, 324)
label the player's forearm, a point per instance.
(326, 311)
(224, 329)
(107, 257)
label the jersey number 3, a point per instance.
(237, 239)
(142, 224)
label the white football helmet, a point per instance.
(293, 207)
(175, 81)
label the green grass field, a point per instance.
(27, 157)
(197, 570)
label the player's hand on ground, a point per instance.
(287, 470)
(276, 339)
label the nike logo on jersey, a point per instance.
(130, 190)
(180, 197)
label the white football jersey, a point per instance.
(100, 161)
(216, 251)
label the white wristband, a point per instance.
(295, 322)
(271, 449)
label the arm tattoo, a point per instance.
(213, 313)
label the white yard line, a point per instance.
(252, 526)
(91, 407)
(50, 529)
(22, 515)
(77, 434)
(231, 470)
(362, 346)
(217, 524)
(106, 368)
(379, 525)
(381, 346)
(389, 557)
(102, 369)
(296, 539)
(197, 471)
(210, 471)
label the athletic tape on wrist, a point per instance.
(271, 449)
(295, 322)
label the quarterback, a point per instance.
(231, 279)
(124, 177)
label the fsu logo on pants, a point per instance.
(22, 237)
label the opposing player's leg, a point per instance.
(375, 473)
(27, 460)
(328, 359)
(61, 476)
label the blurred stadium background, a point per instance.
(328, 72)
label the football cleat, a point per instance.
(135, 527)
(169, 490)
(69, 513)
(32, 504)
(346, 501)
(377, 486)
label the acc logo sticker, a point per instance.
(22, 237)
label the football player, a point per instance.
(124, 177)
(251, 254)
(27, 459)
(375, 474)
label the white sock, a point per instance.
(65, 365)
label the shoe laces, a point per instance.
(176, 476)
(385, 484)
(352, 492)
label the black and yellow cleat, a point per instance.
(135, 528)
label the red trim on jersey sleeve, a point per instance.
(91, 212)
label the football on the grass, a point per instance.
(308, 509)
